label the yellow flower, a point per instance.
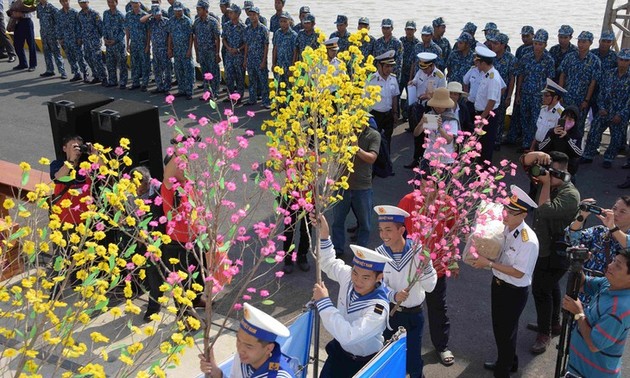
(25, 166)
(124, 143)
(8, 204)
(44, 161)
(126, 360)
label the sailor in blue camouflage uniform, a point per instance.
(256, 51)
(247, 6)
(426, 44)
(274, 21)
(579, 72)
(283, 48)
(129, 5)
(114, 38)
(89, 36)
(224, 5)
(180, 44)
(461, 58)
(207, 46)
(608, 59)
(171, 12)
(67, 32)
(505, 63)
(614, 112)
(47, 15)
(471, 29)
(304, 10)
(515, 131)
(367, 47)
(491, 29)
(564, 46)
(341, 33)
(234, 42)
(409, 42)
(388, 42)
(533, 70)
(136, 46)
(306, 37)
(157, 25)
(439, 28)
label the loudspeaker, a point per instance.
(70, 114)
(137, 121)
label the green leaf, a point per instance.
(117, 216)
(18, 234)
(58, 264)
(25, 176)
(130, 250)
(33, 331)
(270, 260)
(267, 302)
(213, 104)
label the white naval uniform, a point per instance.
(520, 251)
(421, 81)
(398, 273)
(490, 87)
(356, 323)
(240, 370)
(547, 120)
(472, 79)
(389, 89)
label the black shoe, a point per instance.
(189, 97)
(32, 69)
(179, 94)
(47, 74)
(76, 77)
(111, 85)
(11, 59)
(304, 266)
(122, 86)
(491, 365)
(556, 329)
(17, 68)
(625, 185)
(95, 81)
(143, 88)
(63, 77)
(626, 166)
(3, 56)
(133, 87)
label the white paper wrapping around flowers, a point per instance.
(487, 234)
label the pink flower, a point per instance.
(233, 119)
(237, 306)
(171, 122)
(250, 114)
(251, 289)
(206, 95)
(264, 293)
(228, 112)
(173, 278)
(230, 186)
(192, 116)
(249, 132)
(169, 99)
(220, 128)
(203, 121)
(235, 96)
(119, 151)
(247, 297)
(208, 76)
(279, 274)
(100, 226)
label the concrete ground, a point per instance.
(26, 136)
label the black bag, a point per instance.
(383, 167)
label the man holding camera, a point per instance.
(598, 339)
(557, 202)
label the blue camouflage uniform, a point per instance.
(382, 46)
(506, 65)
(67, 32)
(91, 33)
(261, 19)
(116, 54)
(256, 40)
(180, 31)
(284, 43)
(206, 34)
(47, 15)
(608, 62)
(535, 74)
(613, 98)
(274, 23)
(408, 59)
(234, 36)
(558, 56)
(343, 42)
(446, 48)
(303, 40)
(140, 60)
(522, 50)
(578, 76)
(162, 67)
(458, 64)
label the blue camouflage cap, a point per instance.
(624, 54)
(491, 33)
(470, 28)
(133, 1)
(364, 21)
(155, 10)
(438, 22)
(410, 25)
(499, 37)
(585, 36)
(490, 26)
(309, 18)
(305, 9)
(427, 30)
(203, 4)
(341, 19)
(527, 29)
(248, 4)
(177, 6)
(607, 35)
(224, 2)
(285, 14)
(235, 8)
(387, 23)
(465, 37)
(541, 36)
(565, 30)
(254, 9)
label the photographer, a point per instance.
(557, 201)
(598, 340)
(604, 241)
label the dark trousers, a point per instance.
(24, 32)
(487, 140)
(413, 323)
(508, 302)
(289, 232)
(547, 294)
(340, 364)
(5, 42)
(418, 142)
(439, 324)
(385, 125)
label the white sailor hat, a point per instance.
(368, 259)
(262, 326)
(485, 53)
(332, 43)
(520, 201)
(387, 213)
(386, 57)
(427, 57)
(552, 87)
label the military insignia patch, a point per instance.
(274, 366)
(524, 236)
(491, 75)
(378, 309)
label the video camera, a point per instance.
(539, 170)
(85, 148)
(591, 208)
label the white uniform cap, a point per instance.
(332, 43)
(427, 56)
(368, 259)
(262, 326)
(386, 55)
(520, 201)
(553, 87)
(484, 52)
(387, 213)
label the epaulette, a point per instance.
(491, 75)
(378, 309)
(524, 235)
(439, 74)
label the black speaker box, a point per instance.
(137, 121)
(70, 113)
